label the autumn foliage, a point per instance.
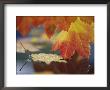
(75, 32)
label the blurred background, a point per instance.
(37, 42)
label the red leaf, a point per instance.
(56, 46)
(38, 20)
(65, 22)
(24, 27)
(67, 49)
(82, 45)
(87, 19)
(18, 20)
(50, 26)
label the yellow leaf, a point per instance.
(78, 26)
(62, 36)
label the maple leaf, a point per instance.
(82, 45)
(63, 23)
(24, 26)
(81, 27)
(37, 20)
(91, 33)
(56, 45)
(75, 39)
(63, 36)
(24, 22)
(64, 44)
(70, 19)
(50, 23)
(82, 37)
(78, 26)
(87, 19)
(50, 26)
(18, 21)
(75, 35)
(67, 49)
(50, 30)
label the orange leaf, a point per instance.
(50, 26)
(24, 27)
(18, 21)
(87, 19)
(56, 45)
(72, 42)
(37, 20)
(65, 44)
(50, 30)
(67, 49)
(82, 46)
(65, 22)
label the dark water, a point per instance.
(28, 68)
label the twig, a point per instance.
(25, 51)
(22, 45)
(23, 66)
